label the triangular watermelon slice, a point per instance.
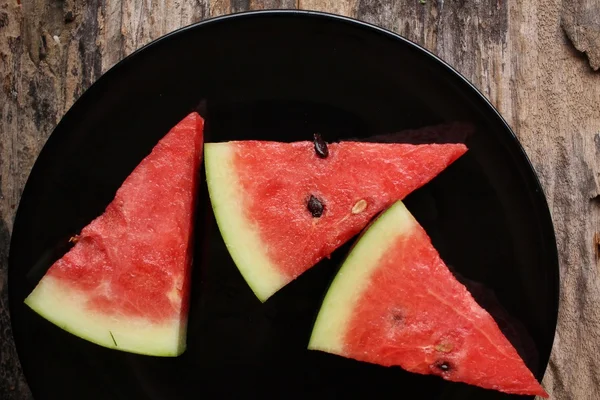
(282, 207)
(125, 283)
(394, 302)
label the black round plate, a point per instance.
(282, 76)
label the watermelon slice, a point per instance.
(124, 284)
(395, 303)
(282, 207)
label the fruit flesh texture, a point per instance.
(125, 283)
(394, 302)
(260, 190)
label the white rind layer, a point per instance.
(65, 307)
(241, 238)
(353, 278)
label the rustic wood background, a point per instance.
(524, 55)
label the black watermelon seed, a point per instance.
(443, 366)
(320, 146)
(397, 317)
(315, 206)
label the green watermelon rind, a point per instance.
(353, 277)
(66, 308)
(242, 239)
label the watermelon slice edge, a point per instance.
(124, 285)
(394, 302)
(260, 193)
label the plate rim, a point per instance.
(526, 169)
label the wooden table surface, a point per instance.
(532, 58)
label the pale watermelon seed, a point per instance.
(359, 207)
(444, 347)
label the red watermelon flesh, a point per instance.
(125, 283)
(395, 303)
(260, 193)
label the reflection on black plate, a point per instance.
(280, 76)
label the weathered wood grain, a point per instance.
(515, 52)
(581, 22)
